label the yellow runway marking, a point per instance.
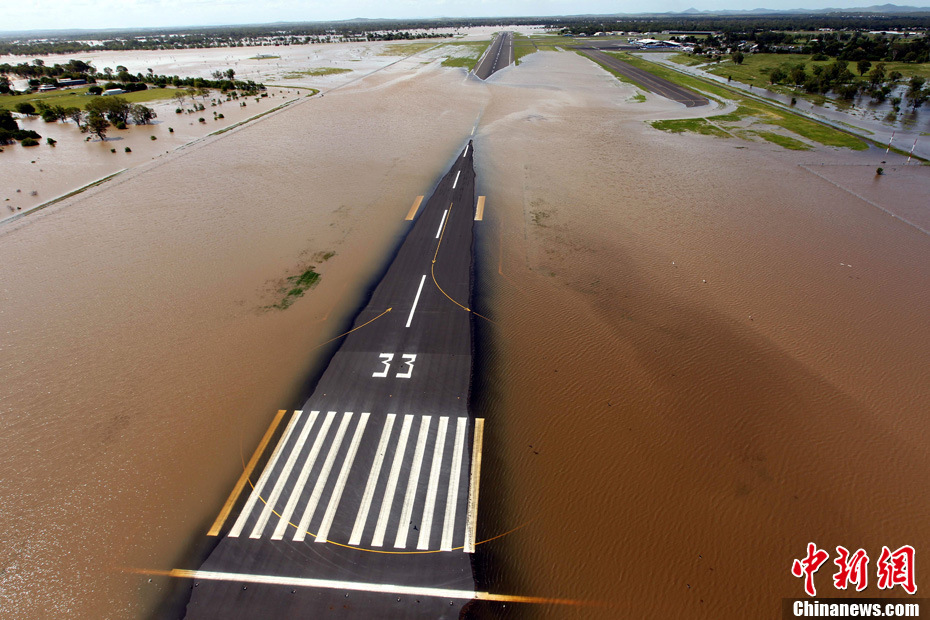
(352, 330)
(479, 212)
(413, 210)
(227, 507)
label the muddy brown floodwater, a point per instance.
(705, 355)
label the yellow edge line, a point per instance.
(413, 210)
(479, 212)
(227, 508)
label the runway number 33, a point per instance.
(387, 358)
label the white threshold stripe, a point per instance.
(400, 542)
(302, 478)
(321, 480)
(378, 539)
(416, 300)
(330, 513)
(456, 181)
(369, 493)
(466, 152)
(448, 525)
(272, 498)
(471, 523)
(443, 221)
(329, 584)
(257, 489)
(426, 523)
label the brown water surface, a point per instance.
(704, 355)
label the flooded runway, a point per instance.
(704, 355)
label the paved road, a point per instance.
(365, 503)
(647, 80)
(498, 55)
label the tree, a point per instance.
(7, 121)
(141, 115)
(24, 107)
(738, 57)
(75, 114)
(916, 93)
(94, 90)
(96, 124)
(862, 66)
(115, 109)
(877, 74)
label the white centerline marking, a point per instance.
(466, 152)
(302, 478)
(400, 541)
(456, 181)
(260, 485)
(427, 522)
(416, 300)
(362, 515)
(378, 539)
(282, 478)
(323, 532)
(444, 214)
(449, 524)
(471, 523)
(321, 481)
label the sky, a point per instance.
(97, 14)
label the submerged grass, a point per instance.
(693, 125)
(406, 49)
(750, 108)
(471, 51)
(292, 288)
(318, 71)
(783, 141)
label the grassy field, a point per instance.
(693, 125)
(753, 109)
(296, 75)
(78, 97)
(468, 54)
(522, 46)
(406, 49)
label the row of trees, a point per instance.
(873, 80)
(98, 115)
(10, 131)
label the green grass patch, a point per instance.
(264, 57)
(292, 288)
(467, 53)
(78, 97)
(522, 46)
(687, 59)
(748, 106)
(638, 98)
(783, 141)
(691, 125)
(406, 49)
(296, 75)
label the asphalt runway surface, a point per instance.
(363, 504)
(650, 82)
(498, 55)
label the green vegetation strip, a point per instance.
(472, 52)
(614, 72)
(78, 97)
(750, 107)
(693, 125)
(295, 75)
(258, 116)
(406, 49)
(65, 197)
(293, 287)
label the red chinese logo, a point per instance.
(808, 566)
(894, 568)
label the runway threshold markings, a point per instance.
(449, 521)
(479, 210)
(244, 478)
(416, 300)
(259, 527)
(429, 506)
(321, 480)
(400, 541)
(373, 475)
(302, 478)
(413, 210)
(336, 497)
(378, 539)
(262, 480)
(471, 523)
